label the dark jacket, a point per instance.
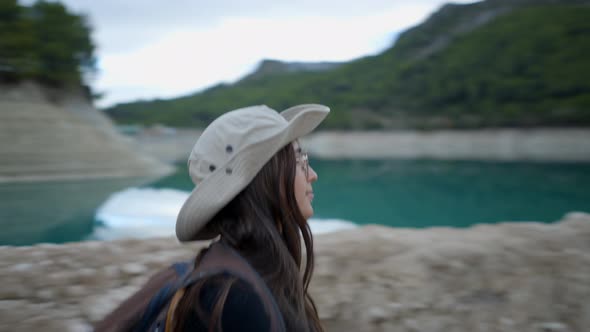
(250, 306)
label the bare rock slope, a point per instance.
(56, 134)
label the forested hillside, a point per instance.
(488, 64)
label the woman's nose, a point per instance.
(312, 176)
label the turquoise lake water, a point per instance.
(396, 193)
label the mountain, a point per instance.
(273, 67)
(494, 63)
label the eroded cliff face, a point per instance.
(50, 134)
(504, 277)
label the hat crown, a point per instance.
(229, 134)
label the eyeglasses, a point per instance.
(304, 162)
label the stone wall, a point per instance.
(525, 277)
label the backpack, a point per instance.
(152, 307)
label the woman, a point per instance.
(254, 194)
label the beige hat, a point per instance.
(229, 154)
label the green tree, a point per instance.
(63, 44)
(44, 42)
(17, 56)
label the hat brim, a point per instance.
(219, 188)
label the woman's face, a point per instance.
(304, 177)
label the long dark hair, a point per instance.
(264, 224)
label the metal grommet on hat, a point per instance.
(256, 134)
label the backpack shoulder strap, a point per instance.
(172, 308)
(182, 268)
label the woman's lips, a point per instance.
(310, 195)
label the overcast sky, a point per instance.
(156, 48)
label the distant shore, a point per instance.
(540, 144)
(170, 145)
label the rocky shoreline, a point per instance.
(504, 277)
(488, 144)
(503, 144)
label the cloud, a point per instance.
(152, 48)
(187, 60)
(125, 25)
